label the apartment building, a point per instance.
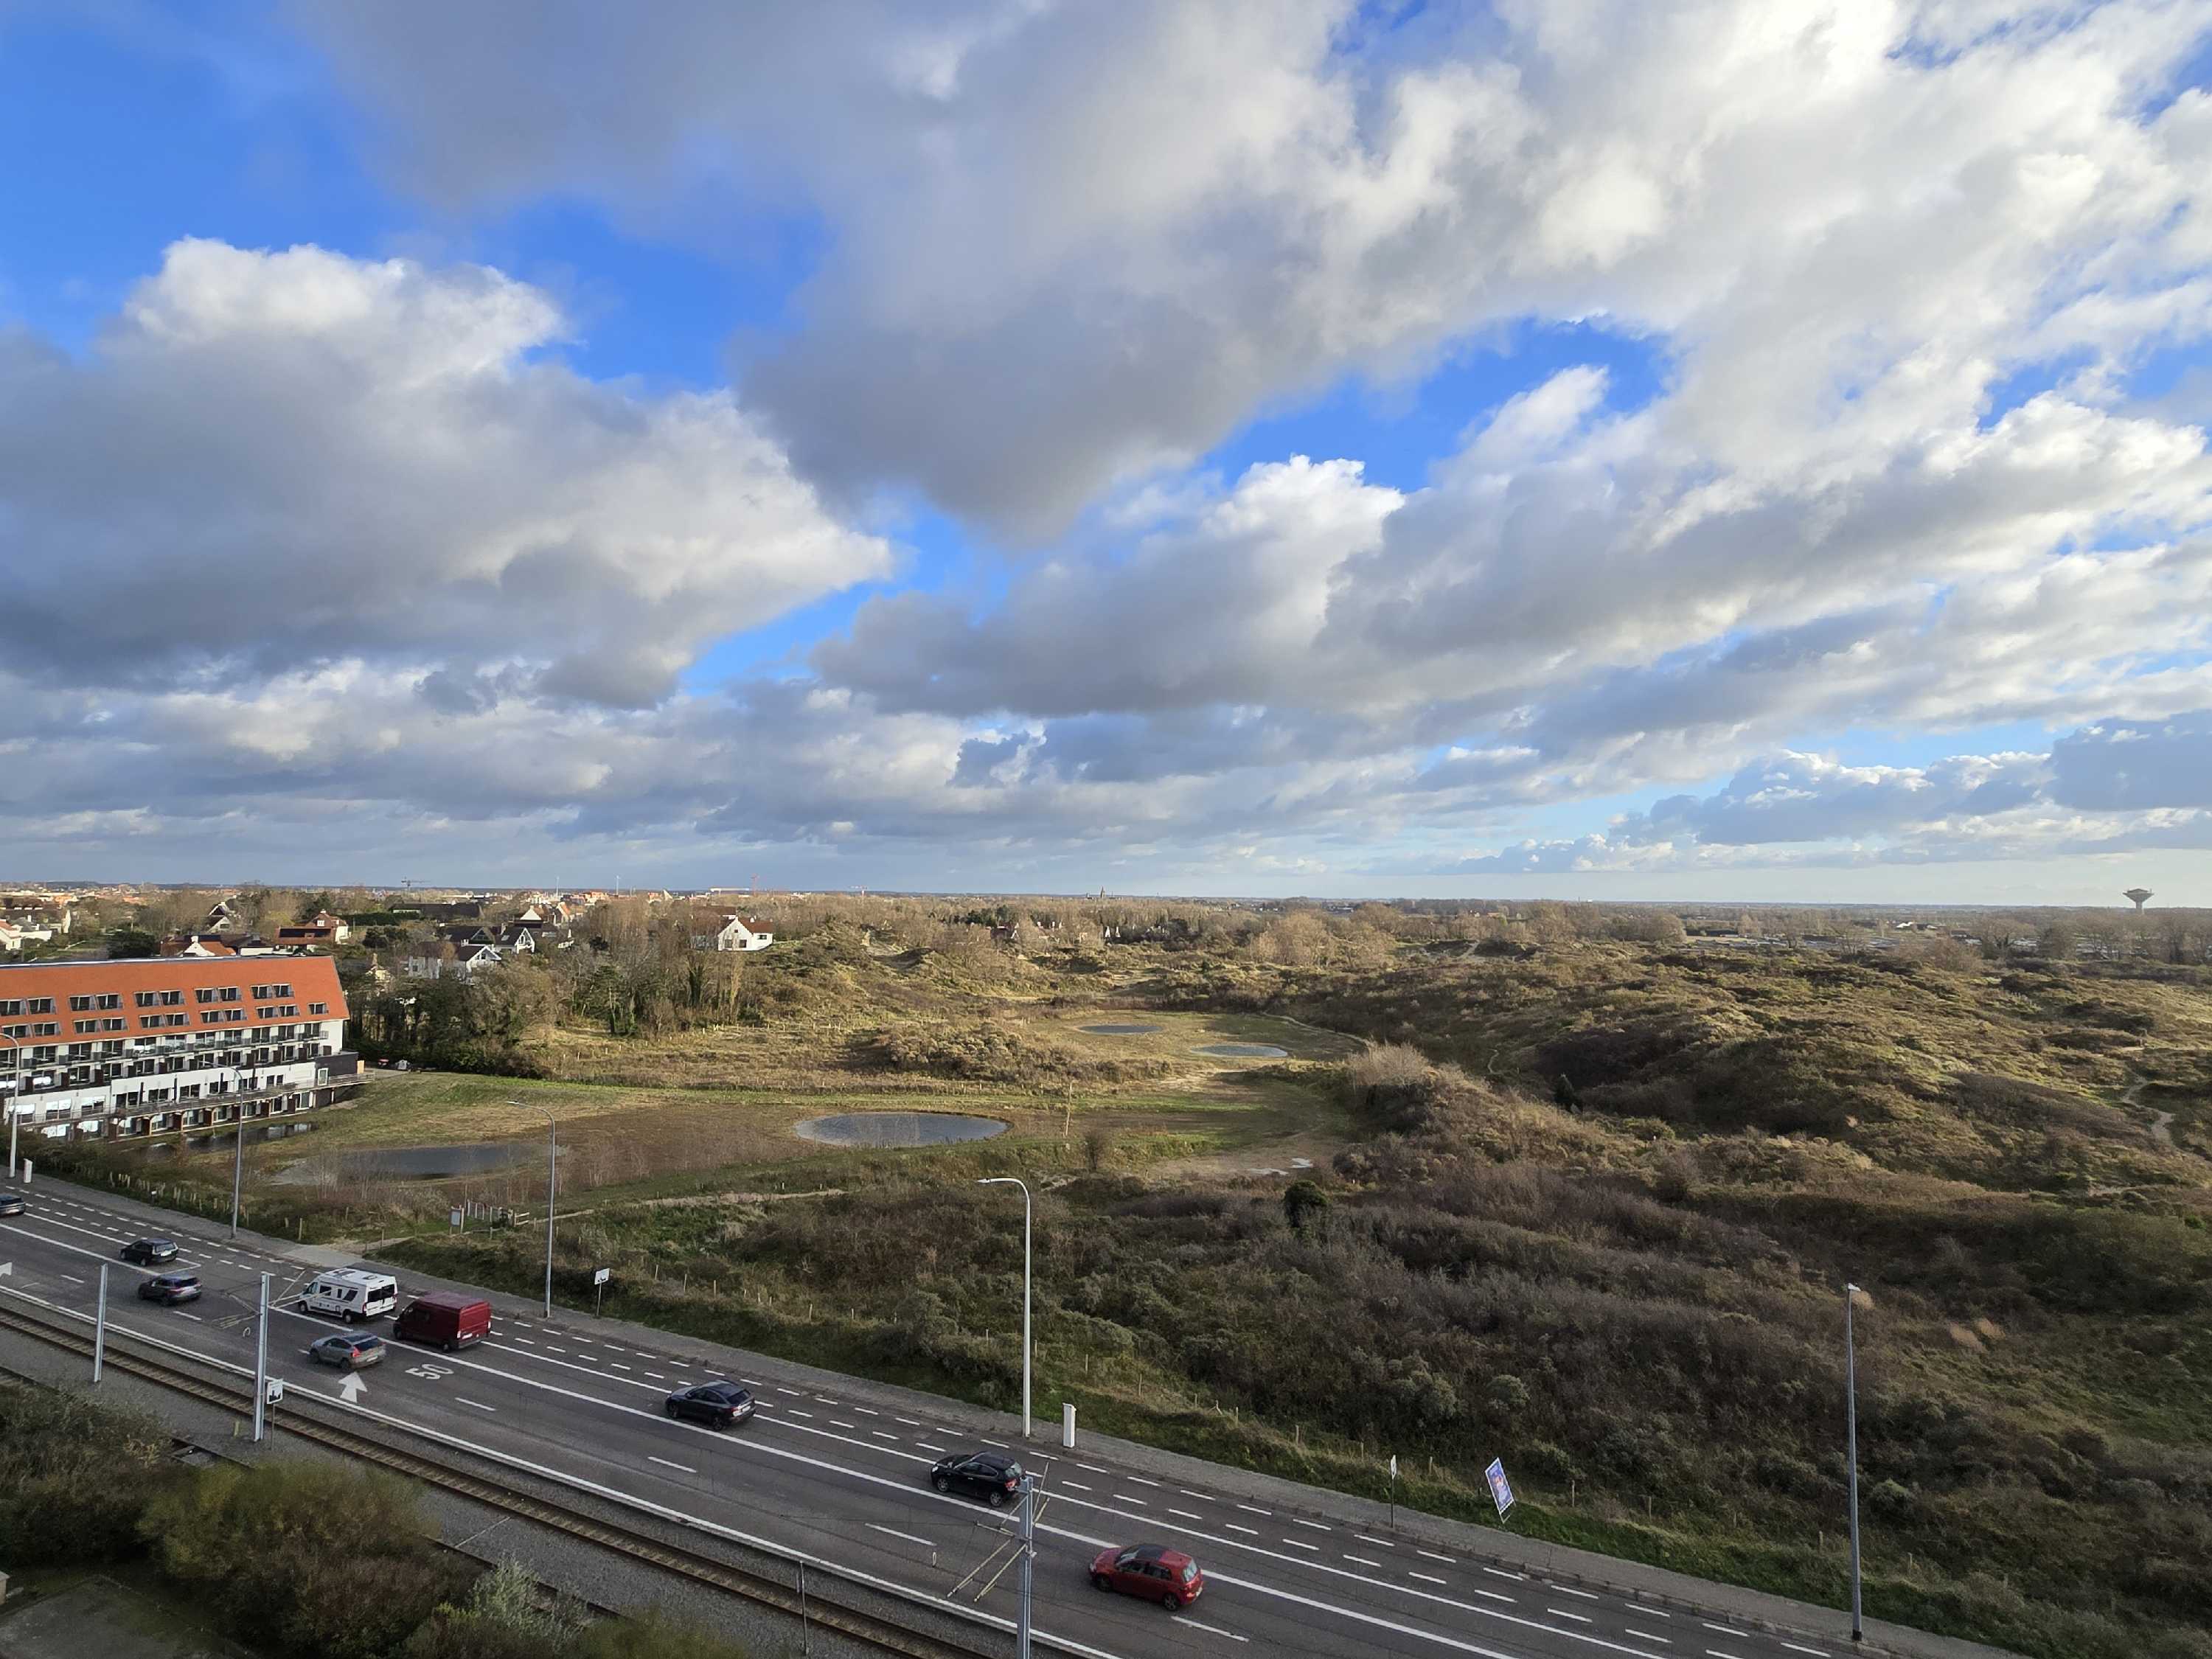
(142, 1047)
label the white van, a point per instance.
(351, 1294)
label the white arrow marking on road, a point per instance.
(351, 1389)
(6, 1268)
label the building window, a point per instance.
(203, 994)
(81, 1005)
(170, 999)
(145, 999)
(85, 1027)
(42, 1005)
(319, 1007)
(230, 993)
(15, 1006)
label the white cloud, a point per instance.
(270, 460)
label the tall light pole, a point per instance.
(237, 1159)
(552, 1157)
(1029, 1563)
(1013, 1181)
(1851, 1436)
(15, 1098)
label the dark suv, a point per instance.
(718, 1405)
(170, 1289)
(148, 1251)
(992, 1476)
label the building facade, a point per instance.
(143, 1048)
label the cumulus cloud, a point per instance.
(1071, 243)
(268, 461)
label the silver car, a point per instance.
(347, 1352)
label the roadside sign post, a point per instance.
(600, 1277)
(1068, 1426)
(1501, 1489)
(1851, 1443)
(27, 1172)
(1393, 1491)
(99, 1326)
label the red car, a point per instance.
(1152, 1570)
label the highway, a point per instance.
(846, 1482)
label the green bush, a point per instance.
(306, 1558)
(77, 1475)
(652, 1637)
(500, 1617)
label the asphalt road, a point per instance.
(846, 1482)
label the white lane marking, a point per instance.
(1124, 1497)
(1500, 1572)
(1654, 1613)
(1094, 1468)
(181, 1314)
(1567, 1590)
(825, 1400)
(1433, 1556)
(841, 1423)
(1363, 1561)
(1668, 1641)
(1295, 1544)
(1384, 1542)
(1076, 1484)
(794, 1393)
(1425, 1577)
(1316, 1525)
(667, 1464)
(1495, 1595)
(1140, 1480)
(1725, 1630)
(1817, 1653)
(1211, 1630)
(885, 1434)
(941, 1452)
(1001, 1444)
(656, 1376)
(865, 1412)
(72, 1278)
(1561, 1613)
(795, 1412)
(1250, 1532)
(478, 1404)
(909, 1536)
(1186, 1514)
(1715, 1652)
(526, 1342)
(681, 1364)
(910, 1422)
(550, 1348)
(1254, 1509)
(617, 1364)
(1204, 1498)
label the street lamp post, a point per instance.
(1012, 1181)
(14, 1099)
(1851, 1437)
(552, 1157)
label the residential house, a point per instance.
(743, 934)
(462, 962)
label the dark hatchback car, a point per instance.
(349, 1352)
(148, 1251)
(992, 1476)
(170, 1289)
(718, 1405)
(1152, 1570)
(11, 1204)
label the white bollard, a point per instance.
(1067, 1425)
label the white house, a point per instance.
(464, 963)
(743, 933)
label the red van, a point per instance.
(449, 1319)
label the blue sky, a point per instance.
(614, 454)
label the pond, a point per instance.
(1245, 1051)
(410, 1163)
(1121, 1031)
(898, 1129)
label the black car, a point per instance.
(11, 1204)
(170, 1289)
(992, 1476)
(718, 1405)
(148, 1251)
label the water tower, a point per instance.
(2140, 895)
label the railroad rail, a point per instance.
(855, 1622)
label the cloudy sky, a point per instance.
(1597, 448)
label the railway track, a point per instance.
(834, 1613)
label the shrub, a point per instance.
(307, 1558)
(77, 1475)
(500, 1617)
(653, 1638)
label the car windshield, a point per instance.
(1189, 1571)
(370, 1342)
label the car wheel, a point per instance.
(940, 1483)
(671, 1410)
(997, 1500)
(450, 1346)
(1099, 1581)
(1171, 1601)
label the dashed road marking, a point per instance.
(1076, 1484)
(1211, 1630)
(478, 1404)
(1363, 1560)
(1249, 1532)
(1817, 1653)
(1124, 1497)
(1425, 1577)
(1254, 1509)
(909, 1536)
(1384, 1542)
(1433, 1556)
(666, 1464)
(1648, 1636)
(1187, 1515)
(1561, 1613)
(1564, 1589)
(1316, 1525)
(1140, 1480)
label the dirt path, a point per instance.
(2161, 1122)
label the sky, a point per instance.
(1600, 449)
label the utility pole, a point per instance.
(1851, 1436)
(261, 1366)
(99, 1326)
